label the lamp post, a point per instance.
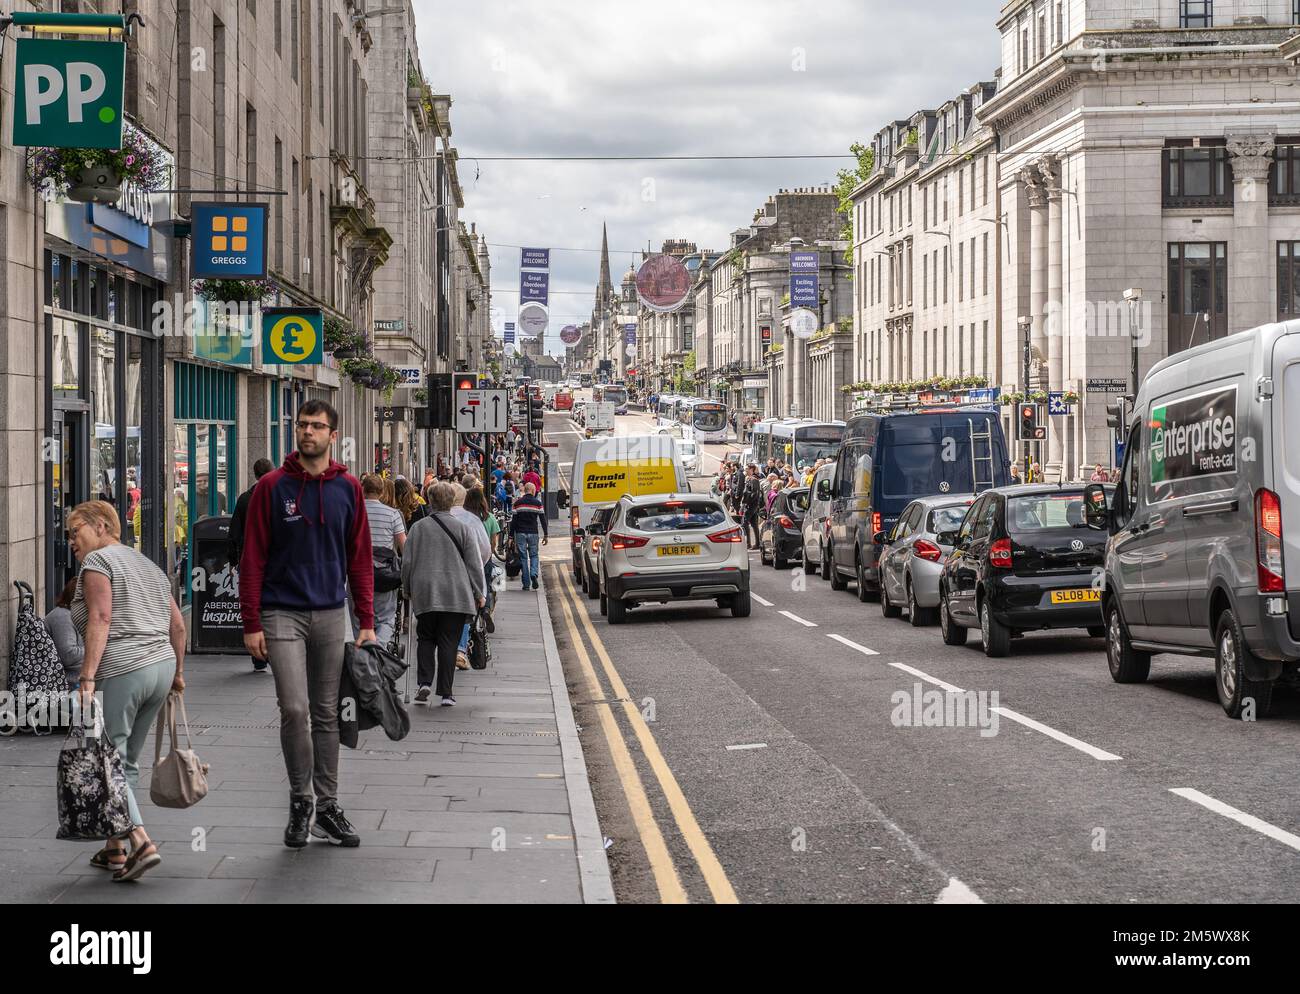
(1025, 325)
(1134, 297)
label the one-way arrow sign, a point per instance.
(482, 411)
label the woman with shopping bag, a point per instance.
(134, 638)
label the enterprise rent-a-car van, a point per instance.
(1205, 519)
(607, 468)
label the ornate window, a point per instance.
(1197, 176)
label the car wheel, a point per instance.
(593, 587)
(1236, 690)
(953, 633)
(779, 561)
(1096, 631)
(617, 611)
(604, 602)
(837, 580)
(996, 636)
(864, 592)
(741, 604)
(826, 564)
(1127, 665)
(762, 553)
(917, 616)
(887, 607)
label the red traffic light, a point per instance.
(1027, 412)
(466, 383)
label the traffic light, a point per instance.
(442, 400)
(467, 381)
(535, 415)
(1030, 429)
(1117, 415)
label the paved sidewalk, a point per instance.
(487, 801)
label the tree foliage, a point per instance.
(845, 182)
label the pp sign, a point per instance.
(68, 94)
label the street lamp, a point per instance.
(1134, 297)
(1026, 324)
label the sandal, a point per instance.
(109, 858)
(137, 863)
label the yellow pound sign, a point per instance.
(293, 338)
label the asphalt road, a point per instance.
(785, 735)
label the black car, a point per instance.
(780, 536)
(1024, 559)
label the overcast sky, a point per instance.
(610, 77)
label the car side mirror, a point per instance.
(881, 538)
(1096, 508)
(562, 499)
(824, 490)
(947, 538)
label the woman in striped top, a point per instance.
(135, 651)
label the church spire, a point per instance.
(606, 287)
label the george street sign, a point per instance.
(68, 94)
(482, 411)
(1108, 385)
(292, 336)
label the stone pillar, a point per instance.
(787, 371)
(799, 360)
(1250, 260)
(1056, 329)
(1037, 256)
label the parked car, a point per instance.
(888, 460)
(780, 537)
(591, 538)
(912, 557)
(690, 453)
(816, 521)
(1205, 518)
(672, 547)
(1023, 559)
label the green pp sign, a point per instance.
(68, 94)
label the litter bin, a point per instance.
(215, 623)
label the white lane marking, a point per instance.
(761, 600)
(795, 617)
(926, 676)
(853, 645)
(1240, 817)
(1050, 732)
(749, 745)
(957, 893)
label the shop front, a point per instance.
(105, 269)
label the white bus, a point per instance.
(796, 441)
(707, 419)
(666, 416)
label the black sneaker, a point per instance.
(295, 836)
(330, 824)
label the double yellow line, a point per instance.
(662, 866)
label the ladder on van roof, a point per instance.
(981, 483)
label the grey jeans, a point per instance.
(306, 654)
(131, 703)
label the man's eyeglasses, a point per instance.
(314, 426)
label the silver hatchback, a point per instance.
(912, 557)
(672, 547)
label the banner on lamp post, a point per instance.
(534, 258)
(534, 286)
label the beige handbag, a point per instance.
(179, 780)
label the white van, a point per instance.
(609, 467)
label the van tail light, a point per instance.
(573, 518)
(730, 535)
(877, 526)
(928, 551)
(1000, 553)
(619, 541)
(1268, 542)
(595, 545)
(785, 522)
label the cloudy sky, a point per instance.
(671, 78)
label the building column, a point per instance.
(1250, 260)
(1038, 257)
(787, 371)
(800, 395)
(1056, 330)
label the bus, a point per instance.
(706, 418)
(614, 393)
(798, 441)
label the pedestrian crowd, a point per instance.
(749, 492)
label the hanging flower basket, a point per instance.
(95, 175)
(234, 290)
(343, 341)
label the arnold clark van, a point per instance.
(1203, 557)
(606, 468)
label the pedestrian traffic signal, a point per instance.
(1117, 414)
(1030, 429)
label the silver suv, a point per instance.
(672, 547)
(1205, 519)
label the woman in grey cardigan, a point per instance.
(442, 577)
(66, 637)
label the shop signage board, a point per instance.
(228, 241)
(292, 336)
(68, 94)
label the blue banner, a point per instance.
(805, 262)
(533, 286)
(510, 333)
(535, 258)
(228, 241)
(804, 290)
(629, 334)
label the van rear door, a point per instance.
(1285, 477)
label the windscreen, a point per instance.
(811, 444)
(946, 519)
(675, 515)
(798, 499)
(1045, 512)
(710, 417)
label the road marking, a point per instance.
(712, 871)
(1240, 817)
(795, 617)
(926, 676)
(1050, 732)
(750, 745)
(853, 645)
(662, 867)
(957, 893)
(762, 600)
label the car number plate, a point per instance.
(679, 550)
(1075, 596)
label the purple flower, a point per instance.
(130, 160)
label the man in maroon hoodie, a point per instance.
(306, 541)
